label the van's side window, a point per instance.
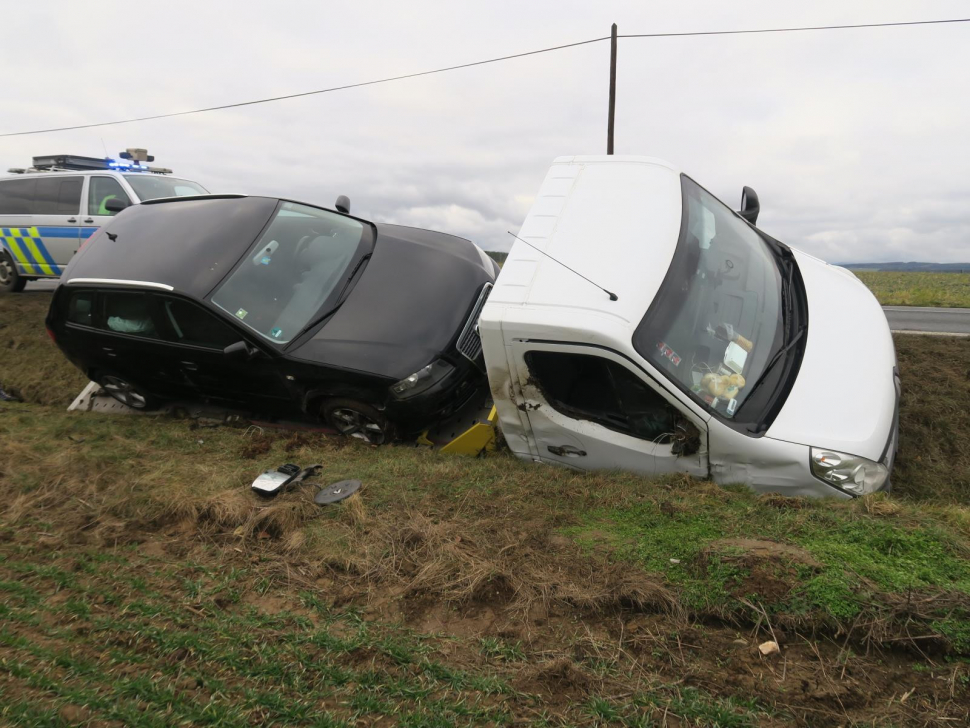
(191, 325)
(128, 313)
(17, 196)
(57, 196)
(102, 189)
(588, 387)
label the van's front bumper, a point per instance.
(892, 444)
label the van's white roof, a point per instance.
(615, 219)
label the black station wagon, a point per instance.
(277, 308)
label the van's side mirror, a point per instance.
(749, 205)
(115, 204)
(240, 350)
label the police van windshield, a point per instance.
(717, 320)
(153, 186)
(295, 267)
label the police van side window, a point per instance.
(80, 309)
(17, 196)
(592, 388)
(102, 189)
(57, 196)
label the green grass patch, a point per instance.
(721, 549)
(946, 290)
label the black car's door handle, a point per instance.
(108, 350)
(190, 365)
(566, 451)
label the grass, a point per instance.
(141, 583)
(945, 290)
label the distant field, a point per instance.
(946, 290)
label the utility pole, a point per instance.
(609, 131)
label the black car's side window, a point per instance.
(592, 388)
(127, 313)
(80, 309)
(190, 324)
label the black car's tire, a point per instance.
(10, 279)
(355, 419)
(127, 393)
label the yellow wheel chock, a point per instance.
(476, 440)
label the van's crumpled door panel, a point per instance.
(591, 409)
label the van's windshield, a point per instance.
(719, 318)
(297, 265)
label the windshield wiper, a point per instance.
(774, 360)
(340, 297)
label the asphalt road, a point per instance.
(901, 318)
(929, 320)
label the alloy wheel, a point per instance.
(7, 272)
(351, 423)
(124, 392)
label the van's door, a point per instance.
(43, 237)
(593, 409)
(100, 189)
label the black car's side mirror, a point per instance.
(240, 350)
(115, 204)
(750, 206)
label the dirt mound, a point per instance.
(558, 681)
(770, 569)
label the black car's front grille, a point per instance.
(469, 341)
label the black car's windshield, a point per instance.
(284, 280)
(153, 186)
(718, 319)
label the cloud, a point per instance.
(855, 140)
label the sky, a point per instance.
(856, 140)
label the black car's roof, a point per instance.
(189, 246)
(189, 243)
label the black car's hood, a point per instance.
(408, 306)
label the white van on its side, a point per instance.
(723, 352)
(46, 214)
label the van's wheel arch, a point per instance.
(126, 392)
(10, 279)
(353, 418)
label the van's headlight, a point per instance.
(422, 380)
(851, 473)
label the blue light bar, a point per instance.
(128, 166)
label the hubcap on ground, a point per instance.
(352, 423)
(124, 392)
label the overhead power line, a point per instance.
(796, 30)
(477, 63)
(310, 93)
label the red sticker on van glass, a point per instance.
(669, 353)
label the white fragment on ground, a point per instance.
(675, 561)
(769, 648)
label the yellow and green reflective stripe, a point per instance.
(28, 250)
(10, 242)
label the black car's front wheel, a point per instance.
(127, 393)
(10, 279)
(356, 419)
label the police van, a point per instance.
(47, 211)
